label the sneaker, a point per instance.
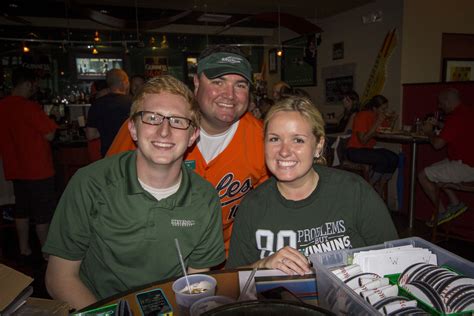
(451, 213)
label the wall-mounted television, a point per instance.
(95, 68)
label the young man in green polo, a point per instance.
(115, 225)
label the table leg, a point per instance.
(411, 207)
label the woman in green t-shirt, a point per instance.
(305, 207)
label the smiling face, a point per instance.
(222, 101)
(290, 147)
(161, 145)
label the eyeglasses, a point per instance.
(153, 118)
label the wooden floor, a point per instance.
(36, 268)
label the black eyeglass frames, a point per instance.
(153, 118)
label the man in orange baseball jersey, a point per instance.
(229, 152)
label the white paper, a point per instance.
(393, 260)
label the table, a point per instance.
(227, 285)
(413, 139)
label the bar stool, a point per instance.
(464, 187)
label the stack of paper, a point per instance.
(392, 260)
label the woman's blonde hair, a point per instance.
(308, 110)
(171, 85)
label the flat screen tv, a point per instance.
(95, 68)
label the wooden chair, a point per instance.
(464, 187)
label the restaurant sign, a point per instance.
(156, 66)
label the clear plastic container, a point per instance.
(337, 297)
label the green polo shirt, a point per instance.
(124, 236)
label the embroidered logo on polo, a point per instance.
(230, 60)
(191, 164)
(183, 222)
(328, 237)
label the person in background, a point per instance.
(136, 83)
(361, 144)
(25, 135)
(253, 108)
(117, 221)
(98, 89)
(304, 208)
(229, 151)
(265, 106)
(351, 105)
(280, 88)
(107, 113)
(456, 135)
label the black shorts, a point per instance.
(35, 199)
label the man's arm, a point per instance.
(92, 133)
(63, 283)
(436, 141)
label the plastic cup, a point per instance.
(185, 300)
(208, 303)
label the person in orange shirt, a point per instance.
(361, 144)
(229, 152)
(25, 133)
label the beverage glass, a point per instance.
(185, 300)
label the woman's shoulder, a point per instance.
(338, 177)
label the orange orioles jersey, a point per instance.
(234, 172)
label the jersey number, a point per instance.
(266, 241)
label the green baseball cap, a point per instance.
(222, 63)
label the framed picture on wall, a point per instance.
(298, 65)
(272, 61)
(337, 88)
(458, 70)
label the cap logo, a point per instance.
(230, 60)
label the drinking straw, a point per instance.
(247, 284)
(182, 264)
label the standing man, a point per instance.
(25, 135)
(229, 152)
(107, 113)
(136, 83)
(115, 225)
(456, 135)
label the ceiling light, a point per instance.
(279, 52)
(25, 48)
